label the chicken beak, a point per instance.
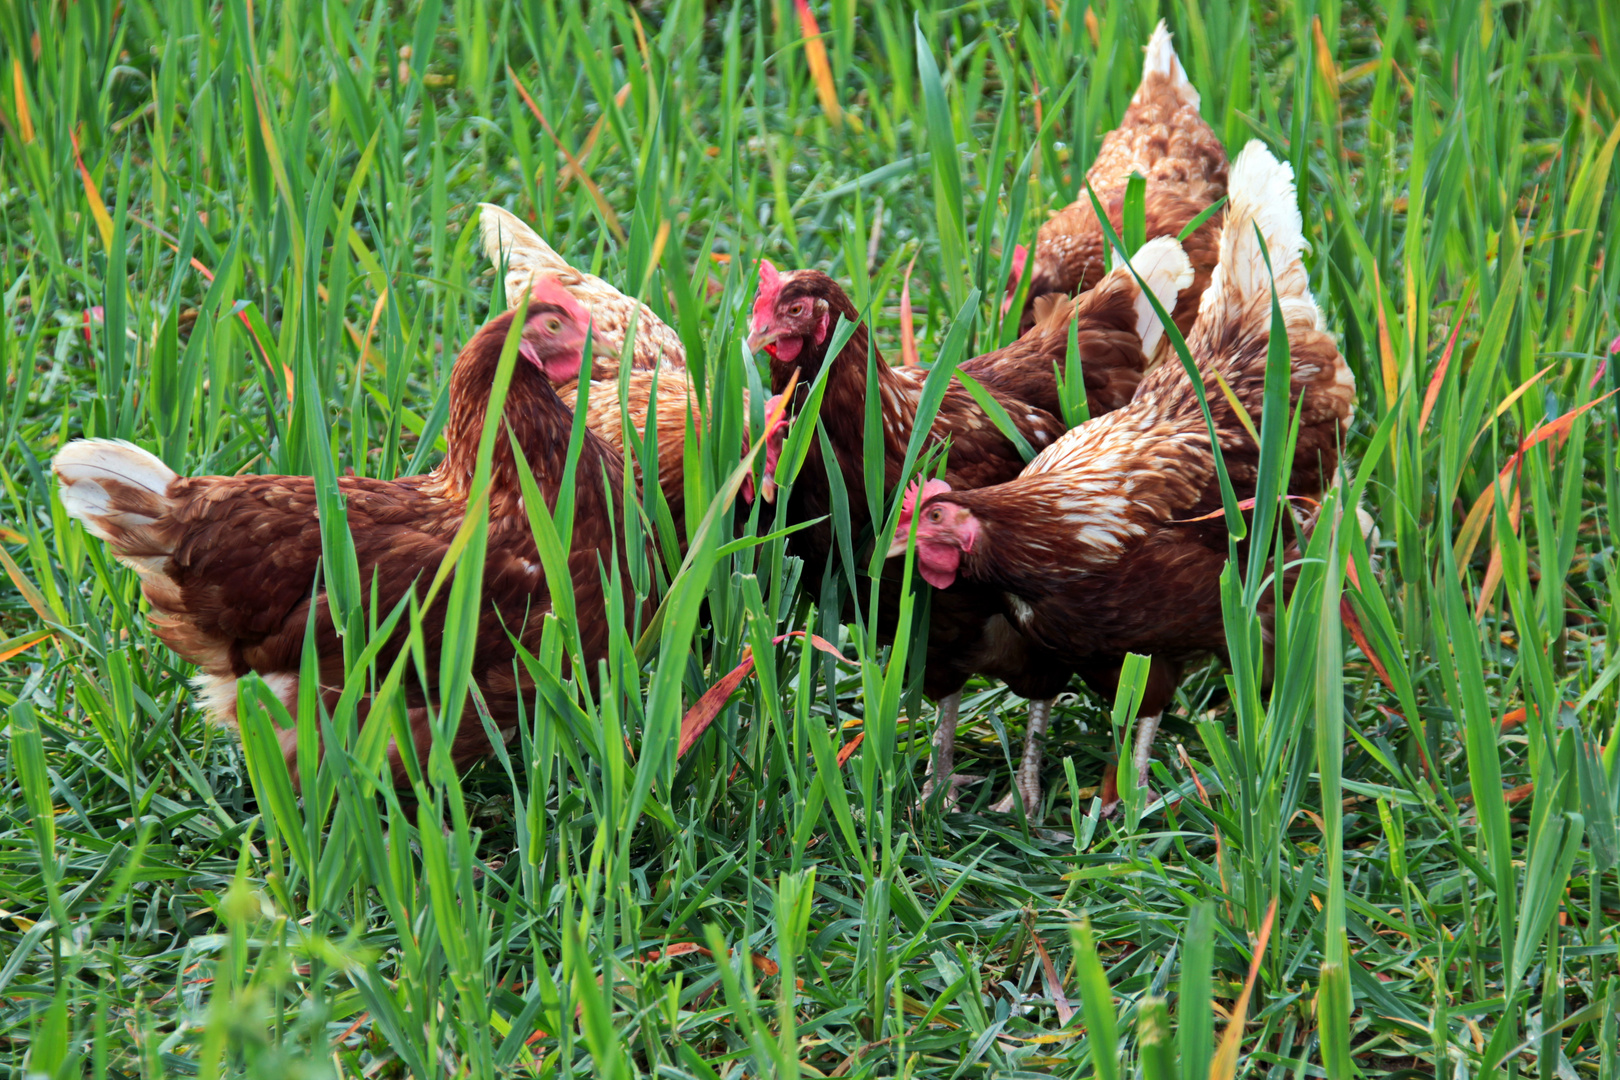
(898, 545)
(761, 338)
(767, 488)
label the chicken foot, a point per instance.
(942, 762)
(1027, 780)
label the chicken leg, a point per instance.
(1027, 781)
(942, 762)
(1146, 728)
(1141, 753)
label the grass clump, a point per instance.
(242, 236)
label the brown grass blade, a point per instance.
(1224, 1065)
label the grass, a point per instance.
(252, 195)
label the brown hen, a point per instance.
(968, 634)
(227, 562)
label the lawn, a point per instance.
(244, 236)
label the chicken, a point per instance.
(658, 357)
(509, 241)
(1162, 137)
(1100, 546)
(227, 562)
(793, 320)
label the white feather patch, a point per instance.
(507, 238)
(82, 466)
(1164, 266)
(1262, 194)
(1161, 59)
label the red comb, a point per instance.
(770, 283)
(1020, 256)
(930, 488)
(548, 290)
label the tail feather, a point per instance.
(121, 493)
(1166, 270)
(1262, 195)
(1262, 245)
(1161, 60)
(508, 238)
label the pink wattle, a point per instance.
(938, 563)
(786, 349)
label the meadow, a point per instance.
(244, 236)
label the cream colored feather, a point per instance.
(508, 239)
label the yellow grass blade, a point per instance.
(1237, 407)
(1386, 351)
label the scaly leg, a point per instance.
(942, 763)
(1027, 781)
(1146, 728)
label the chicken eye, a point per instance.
(553, 325)
(798, 309)
(934, 515)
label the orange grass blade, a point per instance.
(908, 331)
(33, 639)
(608, 214)
(1439, 375)
(820, 70)
(98, 208)
(25, 121)
(1224, 1065)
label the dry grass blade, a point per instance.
(602, 205)
(1224, 1065)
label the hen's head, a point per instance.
(554, 331)
(793, 316)
(945, 529)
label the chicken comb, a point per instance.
(914, 498)
(546, 289)
(770, 284)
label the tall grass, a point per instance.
(239, 235)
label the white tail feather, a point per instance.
(87, 467)
(1164, 266)
(507, 238)
(1262, 194)
(1161, 59)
